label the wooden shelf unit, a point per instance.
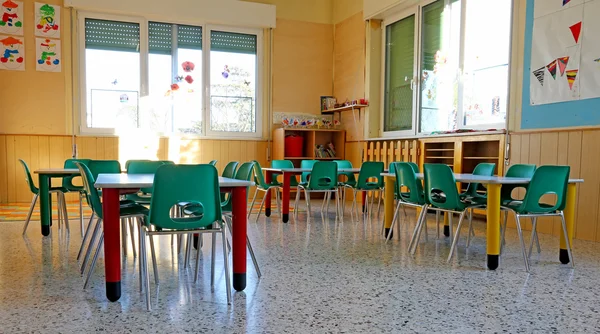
(312, 137)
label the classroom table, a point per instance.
(493, 184)
(285, 198)
(112, 184)
(45, 176)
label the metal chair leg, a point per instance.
(124, 236)
(456, 236)
(93, 264)
(564, 227)
(252, 204)
(154, 264)
(379, 203)
(533, 232)
(144, 265)
(393, 221)
(91, 244)
(33, 201)
(437, 224)
(226, 263)
(262, 203)
(412, 246)
(296, 202)
(131, 230)
(470, 228)
(81, 213)
(212, 262)
(85, 236)
(65, 212)
(503, 231)
(521, 240)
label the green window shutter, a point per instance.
(160, 36)
(112, 35)
(189, 37)
(232, 42)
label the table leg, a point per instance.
(268, 180)
(493, 225)
(446, 224)
(569, 221)
(112, 242)
(45, 204)
(388, 203)
(238, 234)
(285, 198)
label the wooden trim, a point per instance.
(575, 128)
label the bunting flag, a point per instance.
(552, 68)
(571, 76)
(539, 74)
(576, 31)
(566, 2)
(597, 60)
(562, 64)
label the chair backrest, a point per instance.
(306, 164)
(128, 162)
(104, 167)
(213, 162)
(323, 176)
(67, 181)
(28, 177)
(406, 177)
(229, 170)
(285, 164)
(197, 185)
(93, 198)
(246, 172)
(368, 171)
(518, 170)
(343, 164)
(414, 166)
(440, 187)
(145, 167)
(259, 177)
(547, 180)
(484, 169)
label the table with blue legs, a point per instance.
(45, 176)
(493, 184)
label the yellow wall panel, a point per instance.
(3, 171)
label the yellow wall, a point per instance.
(343, 9)
(315, 11)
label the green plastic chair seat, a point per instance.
(518, 170)
(308, 164)
(545, 180)
(406, 177)
(368, 171)
(323, 176)
(350, 178)
(284, 164)
(440, 188)
(471, 194)
(245, 173)
(67, 181)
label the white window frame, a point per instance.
(418, 12)
(144, 74)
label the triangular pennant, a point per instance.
(597, 60)
(576, 31)
(566, 2)
(552, 68)
(571, 76)
(562, 64)
(539, 74)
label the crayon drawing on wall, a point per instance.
(11, 17)
(47, 55)
(565, 45)
(12, 53)
(47, 20)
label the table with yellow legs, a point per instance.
(494, 184)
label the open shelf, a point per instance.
(481, 158)
(430, 157)
(439, 150)
(345, 108)
(311, 138)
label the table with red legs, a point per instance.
(285, 198)
(113, 184)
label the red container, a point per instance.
(294, 145)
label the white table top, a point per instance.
(54, 171)
(470, 178)
(135, 181)
(304, 170)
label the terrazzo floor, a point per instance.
(318, 277)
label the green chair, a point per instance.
(441, 194)
(414, 196)
(306, 164)
(262, 186)
(349, 179)
(174, 184)
(143, 167)
(60, 198)
(546, 180)
(369, 181)
(213, 162)
(67, 183)
(228, 172)
(472, 192)
(284, 164)
(126, 211)
(128, 162)
(506, 196)
(323, 179)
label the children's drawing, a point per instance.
(47, 20)
(48, 58)
(11, 21)
(12, 53)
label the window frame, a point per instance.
(417, 10)
(84, 129)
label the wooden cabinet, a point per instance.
(311, 138)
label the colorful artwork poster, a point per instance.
(47, 55)
(11, 17)
(12, 53)
(589, 72)
(47, 20)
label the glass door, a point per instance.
(399, 49)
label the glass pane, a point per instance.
(187, 100)
(399, 73)
(232, 89)
(487, 43)
(112, 88)
(157, 106)
(440, 44)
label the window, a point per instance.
(156, 76)
(461, 72)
